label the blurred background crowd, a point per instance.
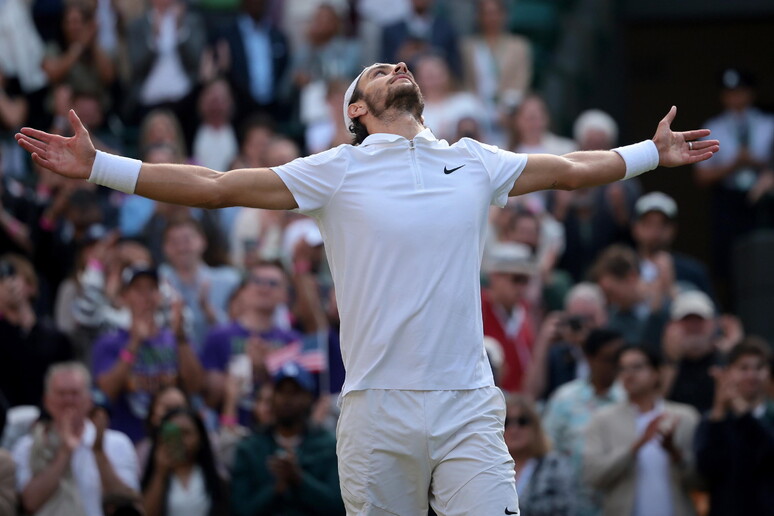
(158, 359)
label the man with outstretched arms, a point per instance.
(403, 216)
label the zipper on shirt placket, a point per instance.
(417, 175)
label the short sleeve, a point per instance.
(123, 458)
(104, 355)
(504, 168)
(21, 456)
(314, 179)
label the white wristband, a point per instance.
(639, 158)
(116, 172)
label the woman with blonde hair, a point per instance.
(542, 476)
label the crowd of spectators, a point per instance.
(158, 359)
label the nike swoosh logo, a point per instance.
(509, 512)
(450, 170)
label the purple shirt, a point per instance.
(227, 341)
(155, 365)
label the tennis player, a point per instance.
(403, 216)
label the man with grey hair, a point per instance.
(404, 217)
(66, 465)
(558, 355)
(595, 130)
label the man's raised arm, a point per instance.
(593, 168)
(189, 185)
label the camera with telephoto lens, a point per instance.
(575, 322)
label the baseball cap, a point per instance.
(656, 201)
(692, 302)
(734, 78)
(510, 257)
(129, 274)
(293, 371)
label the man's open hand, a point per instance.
(70, 157)
(682, 148)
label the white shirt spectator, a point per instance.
(653, 493)
(118, 449)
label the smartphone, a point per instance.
(172, 437)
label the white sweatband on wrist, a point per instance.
(116, 172)
(639, 158)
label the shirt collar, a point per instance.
(658, 408)
(425, 134)
(612, 394)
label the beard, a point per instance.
(399, 100)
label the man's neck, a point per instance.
(290, 430)
(506, 307)
(647, 252)
(257, 321)
(403, 124)
(187, 271)
(644, 402)
(600, 389)
(532, 139)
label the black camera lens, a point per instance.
(576, 323)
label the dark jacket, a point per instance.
(442, 39)
(736, 458)
(143, 54)
(253, 486)
(239, 72)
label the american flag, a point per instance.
(309, 352)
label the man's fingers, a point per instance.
(670, 116)
(705, 144)
(42, 162)
(76, 123)
(700, 157)
(38, 135)
(31, 146)
(696, 134)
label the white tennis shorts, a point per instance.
(402, 451)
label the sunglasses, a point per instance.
(521, 421)
(519, 279)
(265, 282)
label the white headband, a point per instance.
(348, 96)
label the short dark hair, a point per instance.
(750, 346)
(655, 360)
(598, 339)
(276, 264)
(257, 120)
(619, 261)
(182, 222)
(357, 128)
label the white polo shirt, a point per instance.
(404, 223)
(118, 448)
